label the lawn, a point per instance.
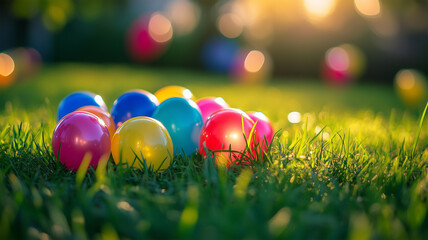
(354, 166)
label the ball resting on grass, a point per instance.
(79, 134)
(143, 142)
(229, 131)
(182, 118)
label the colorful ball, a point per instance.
(210, 105)
(78, 134)
(173, 91)
(79, 99)
(103, 115)
(182, 118)
(135, 103)
(224, 131)
(264, 129)
(143, 139)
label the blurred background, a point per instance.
(337, 42)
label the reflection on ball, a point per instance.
(143, 141)
(173, 91)
(132, 104)
(225, 131)
(79, 134)
(76, 100)
(182, 118)
(103, 115)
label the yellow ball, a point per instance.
(173, 91)
(143, 139)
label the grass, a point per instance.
(355, 167)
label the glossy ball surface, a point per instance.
(103, 115)
(210, 105)
(264, 129)
(182, 118)
(77, 134)
(143, 139)
(135, 103)
(224, 131)
(76, 100)
(173, 91)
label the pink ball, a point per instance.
(264, 128)
(210, 105)
(79, 133)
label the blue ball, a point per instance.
(183, 120)
(76, 100)
(135, 103)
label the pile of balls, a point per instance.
(145, 130)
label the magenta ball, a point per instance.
(264, 128)
(79, 133)
(210, 105)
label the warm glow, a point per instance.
(369, 8)
(254, 61)
(406, 79)
(7, 65)
(184, 16)
(230, 25)
(294, 117)
(319, 8)
(337, 59)
(160, 28)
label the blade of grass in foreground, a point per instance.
(419, 129)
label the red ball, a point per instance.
(223, 131)
(264, 129)
(77, 134)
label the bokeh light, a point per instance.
(184, 16)
(368, 8)
(294, 117)
(252, 66)
(254, 61)
(411, 86)
(148, 37)
(7, 68)
(27, 62)
(338, 59)
(343, 64)
(316, 9)
(160, 28)
(230, 25)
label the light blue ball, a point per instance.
(183, 120)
